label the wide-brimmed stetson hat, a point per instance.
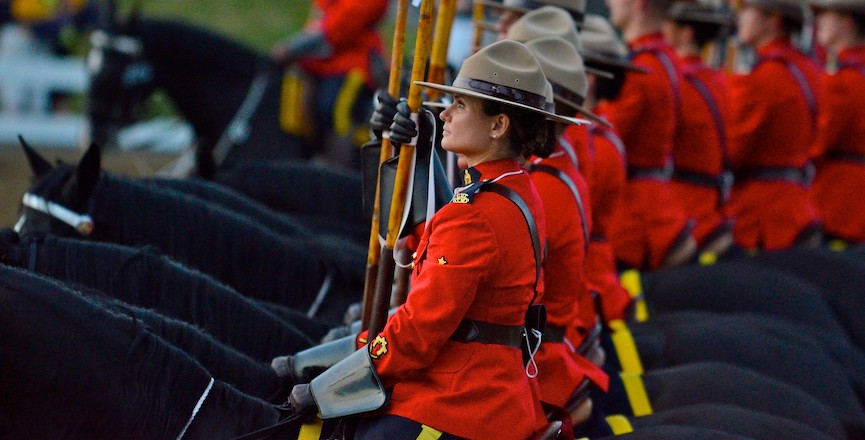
(505, 72)
(549, 21)
(564, 69)
(850, 6)
(792, 9)
(575, 8)
(603, 47)
(696, 12)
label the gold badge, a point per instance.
(378, 348)
(467, 178)
(442, 260)
(460, 198)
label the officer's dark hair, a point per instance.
(608, 88)
(660, 7)
(859, 22)
(528, 133)
(704, 33)
(791, 26)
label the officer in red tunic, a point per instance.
(701, 178)
(840, 145)
(774, 123)
(653, 230)
(340, 50)
(450, 356)
(565, 374)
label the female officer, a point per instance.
(450, 356)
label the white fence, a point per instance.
(28, 78)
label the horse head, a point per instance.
(59, 194)
(121, 79)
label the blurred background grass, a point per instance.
(258, 23)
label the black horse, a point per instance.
(320, 276)
(227, 92)
(139, 276)
(71, 369)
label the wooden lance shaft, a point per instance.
(439, 55)
(381, 299)
(393, 88)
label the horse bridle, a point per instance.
(82, 223)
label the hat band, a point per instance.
(578, 16)
(502, 92)
(572, 96)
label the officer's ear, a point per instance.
(501, 125)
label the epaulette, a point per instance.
(468, 194)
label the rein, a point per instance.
(237, 131)
(264, 433)
(81, 222)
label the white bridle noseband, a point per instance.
(81, 222)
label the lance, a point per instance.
(393, 88)
(441, 39)
(387, 264)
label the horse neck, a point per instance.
(205, 75)
(227, 413)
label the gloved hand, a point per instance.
(403, 129)
(384, 108)
(284, 368)
(301, 401)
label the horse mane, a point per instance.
(230, 247)
(74, 369)
(141, 277)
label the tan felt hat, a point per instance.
(603, 46)
(564, 69)
(793, 9)
(505, 72)
(851, 6)
(575, 8)
(695, 12)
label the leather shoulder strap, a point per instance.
(574, 191)
(512, 195)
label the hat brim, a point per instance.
(500, 6)
(583, 111)
(469, 92)
(590, 57)
(600, 72)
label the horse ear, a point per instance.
(88, 170)
(38, 164)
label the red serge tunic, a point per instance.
(772, 125)
(606, 189)
(699, 149)
(475, 260)
(567, 301)
(644, 115)
(350, 28)
(837, 190)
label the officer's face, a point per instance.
(830, 27)
(504, 23)
(751, 24)
(620, 11)
(468, 132)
